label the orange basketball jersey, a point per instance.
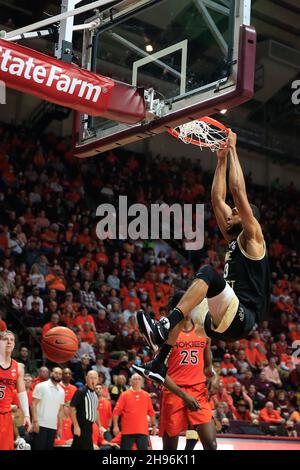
(186, 362)
(8, 384)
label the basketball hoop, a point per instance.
(205, 133)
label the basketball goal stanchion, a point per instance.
(204, 132)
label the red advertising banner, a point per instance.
(32, 72)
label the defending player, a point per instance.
(235, 302)
(11, 378)
(185, 404)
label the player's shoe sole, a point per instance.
(152, 370)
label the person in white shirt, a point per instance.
(99, 367)
(35, 297)
(47, 410)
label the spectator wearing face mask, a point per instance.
(123, 341)
(123, 368)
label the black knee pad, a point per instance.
(216, 283)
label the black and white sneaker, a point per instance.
(152, 370)
(154, 332)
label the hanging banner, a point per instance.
(32, 72)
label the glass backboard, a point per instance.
(191, 53)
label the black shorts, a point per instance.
(241, 326)
(85, 440)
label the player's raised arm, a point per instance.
(251, 227)
(218, 193)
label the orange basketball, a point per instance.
(60, 344)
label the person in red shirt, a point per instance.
(282, 345)
(241, 413)
(99, 441)
(43, 375)
(134, 406)
(3, 326)
(227, 365)
(87, 334)
(105, 412)
(252, 354)
(66, 437)
(66, 384)
(51, 324)
(11, 379)
(187, 405)
(28, 386)
(221, 395)
(83, 317)
(269, 415)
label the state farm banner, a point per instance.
(35, 73)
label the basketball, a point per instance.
(60, 344)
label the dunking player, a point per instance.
(187, 406)
(233, 307)
(11, 378)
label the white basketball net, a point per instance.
(205, 135)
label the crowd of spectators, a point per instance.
(55, 271)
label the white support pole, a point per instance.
(66, 26)
(56, 18)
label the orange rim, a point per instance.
(212, 122)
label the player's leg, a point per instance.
(207, 435)
(142, 442)
(6, 431)
(220, 296)
(192, 438)
(127, 441)
(170, 443)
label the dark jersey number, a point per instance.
(189, 357)
(2, 391)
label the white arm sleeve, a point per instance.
(24, 403)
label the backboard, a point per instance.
(191, 57)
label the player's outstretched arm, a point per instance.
(237, 186)
(189, 401)
(218, 193)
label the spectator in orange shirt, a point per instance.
(87, 334)
(84, 317)
(28, 380)
(261, 348)
(55, 280)
(69, 316)
(99, 441)
(134, 406)
(43, 375)
(3, 326)
(101, 257)
(241, 413)
(295, 335)
(66, 384)
(105, 413)
(132, 298)
(295, 416)
(282, 345)
(269, 415)
(221, 396)
(66, 437)
(88, 264)
(55, 319)
(84, 237)
(252, 354)
(227, 365)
